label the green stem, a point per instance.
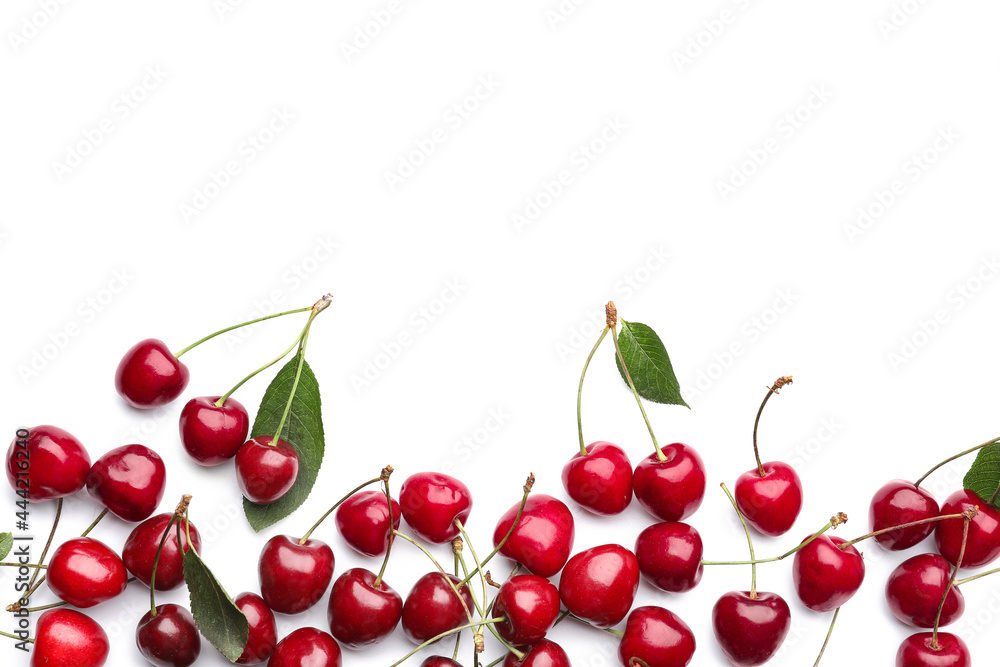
(829, 633)
(956, 456)
(156, 562)
(951, 583)
(482, 610)
(778, 384)
(338, 504)
(746, 529)
(901, 526)
(579, 391)
(48, 542)
(520, 510)
(222, 399)
(497, 661)
(301, 354)
(976, 576)
(444, 574)
(442, 635)
(238, 326)
(616, 633)
(6, 634)
(100, 516)
(30, 565)
(839, 519)
(475, 559)
(628, 376)
(388, 548)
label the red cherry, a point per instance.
(439, 661)
(672, 489)
(983, 545)
(265, 472)
(52, 464)
(599, 584)
(899, 502)
(917, 651)
(915, 588)
(431, 607)
(169, 639)
(601, 481)
(306, 647)
(363, 522)
(656, 636)
(543, 654)
(543, 538)
(129, 481)
(139, 552)
(431, 502)
(750, 630)
(770, 503)
(85, 572)
(825, 576)
(359, 613)
(293, 577)
(149, 375)
(531, 605)
(212, 434)
(263, 630)
(669, 556)
(68, 638)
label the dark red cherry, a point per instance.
(67, 637)
(47, 463)
(440, 661)
(149, 375)
(896, 503)
(431, 502)
(263, 630)
(669, 556)
(169, 639)
(915, 588)
(363, 522)
(656, 636)
(919, 651)
(359, 613)
(825, 576)
(770, 503)
(750, 629)
(983, 545)
(543, 538)
(293, 577)
(139, 552)
(530, 604)
(210, 433)
(129, 481)
(306, 647)
(599, 584)
(543, 654)
(601, 481)
(265, 472)
(431, 607)
(672, 489)
(85, 572)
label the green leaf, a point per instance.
(215, 614)
(6, 544)
(303, 430)
(648, 364)
(984, 475)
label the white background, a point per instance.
(779, 266)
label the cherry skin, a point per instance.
(169, 639)
(293, 577)
(265, 472)
(531, 605)
(149, 375)
(363, 522)
(431, 607)
(306, 647)
(983, 545)
(770, 503)
(543, 538)
(896, 503)
(543, 654)
(212, 434)
(825, 576)
(915, 588)
(750, 630)
(601, 481)
(67, 637)
(431, 502)
(656, 636)
(599, 584)
(440, 661)
(263, 630)
(669, 556)
(670, 490)
(129, 481)
(359, 613)
(85, 572)
(52, 464)
(139, 552)
(916, 651)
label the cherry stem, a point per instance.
(48, 542)
(430, 641)
(954, 576)
(633, 661)
(29, 565)
(579, 391)
(317, 308)
(829, 633)
(616, 633)
(444, 574)
(392, 538)
(239, 326)
(31, 591)
(900, 527)
(778, 384)
(956, 456)
(222, 399)
(746, 529)
(479, 608)
(100, 516)
(976, 576)
(497, 661)
(659, 452)
(479, 566)
(834, 522)
(384, 475)
(178, 512)
(7, 634)
(61, 603)
(524, 499)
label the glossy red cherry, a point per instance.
(263, 630)
(669, 556)
(601, 481)
(363, 522)
(656, 636)
(599, 584)
(440, 661)
(129, 481)
(672, 489)
(265, 472)
(169, 639)
(210, 433)
(750, 630)
(531, 605)
(915, 588)
(431, 607)
(825, 576)
(770, 503)
(149, 375)
(359, 613)
(431, 502)
(306, 647)
(139, 552)
(543, 538)
(47, 463)
(67, 638)
(293, 577)
(983, 545)
(543, 654)
(899, 502)
(917, 651)
(85, 572)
